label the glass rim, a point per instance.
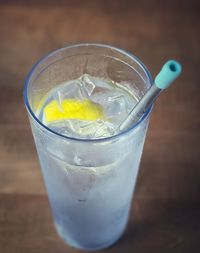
(45, 57)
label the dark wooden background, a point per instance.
(166, 210)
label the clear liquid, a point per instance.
(90, 204)
(90, 186)
(115, 100)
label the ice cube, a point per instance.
(83, 129)
(105, 129)
(102, 84)
(59, 97)
(70, 90)
(62, 127)
(92, 85)
(90, 129)
(73, 128)
(113, 103)
(87, 85)
(116, 105)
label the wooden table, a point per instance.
(165, 216)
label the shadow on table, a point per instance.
(162, 227)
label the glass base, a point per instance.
(75, 244)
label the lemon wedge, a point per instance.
(72, 109)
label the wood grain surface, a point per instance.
(166, 210)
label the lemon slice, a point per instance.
(72, 109)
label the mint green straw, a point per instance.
(169, 72)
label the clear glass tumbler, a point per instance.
(90, 183)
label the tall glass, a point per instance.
(90, 183)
